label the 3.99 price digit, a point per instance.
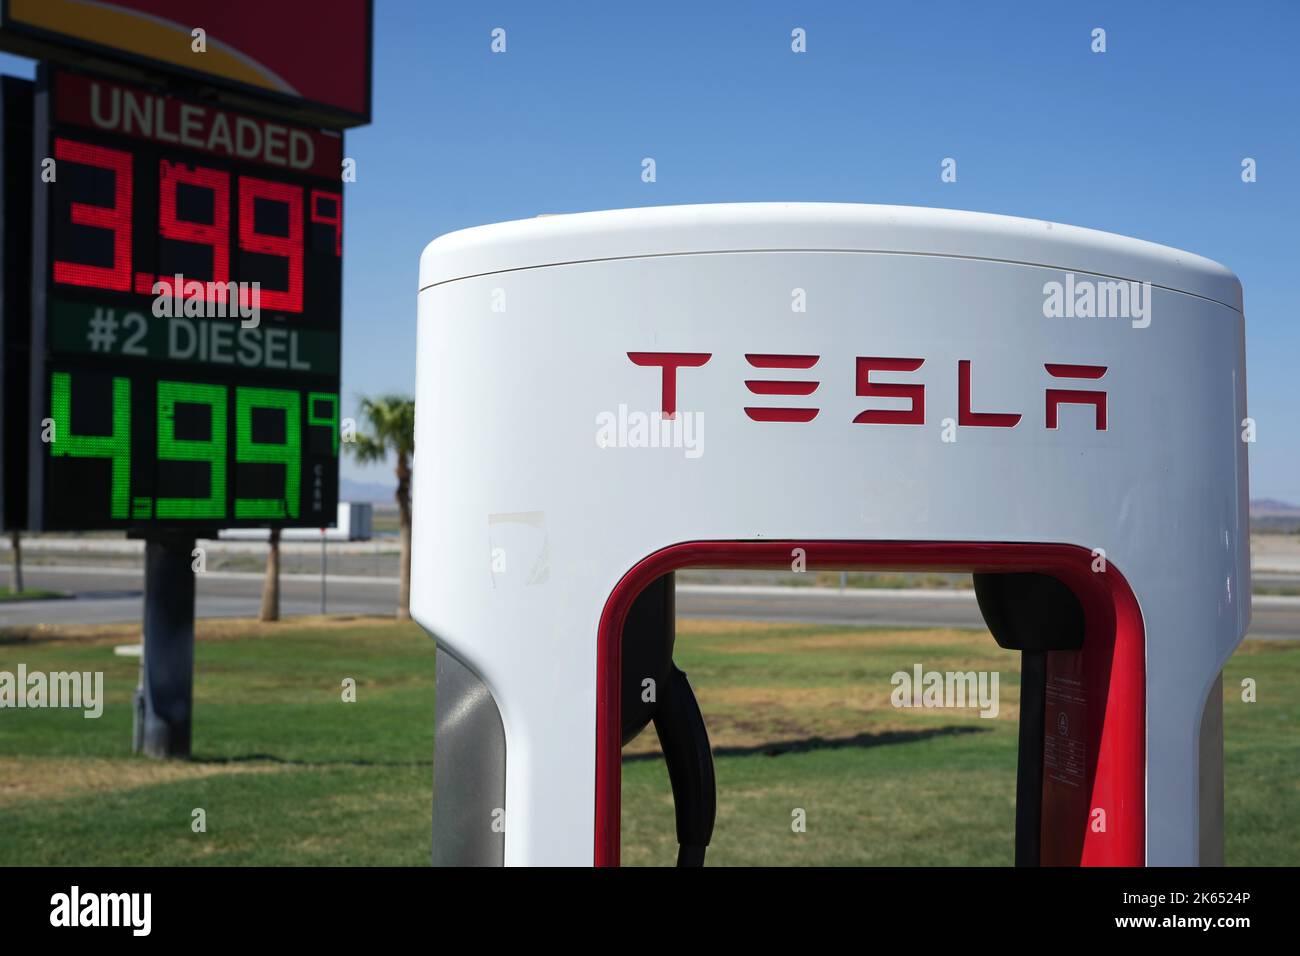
(216, 235)
(290, 247)
(116, 218)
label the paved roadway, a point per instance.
(116, 595)
(111, 595)
(1273, 618)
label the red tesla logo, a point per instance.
(914, 392)
(767, 386)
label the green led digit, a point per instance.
(330, 420)
(212, 450)
(116, 446)
(287, 453)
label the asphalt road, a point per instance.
(1273, 618)
(112, 595)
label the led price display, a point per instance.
(186, 312)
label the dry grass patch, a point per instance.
(758, 716)
(852, 640)
(206, 629)
(712, 627)
(39, 778)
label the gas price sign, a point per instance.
(186, 312)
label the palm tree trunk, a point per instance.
(271, 583)
(404, 508)
(404, 593)
(16, 567)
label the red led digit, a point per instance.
(116, 217)
(215, 234)
(335, 220)
(290, 246)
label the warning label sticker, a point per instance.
(1065, 736)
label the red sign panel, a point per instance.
(312, 58)
(121, 110)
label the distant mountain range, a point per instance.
(1270, 516)
(1272, 508)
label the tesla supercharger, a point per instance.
(606, 398)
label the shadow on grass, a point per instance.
(292, 762)
(33, 594)
(810, 744)
(27, 634)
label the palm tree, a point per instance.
(16, 567)
(391, 421)
(271, 583)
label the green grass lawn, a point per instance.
(285, 770)
(800, 718)
(29, 594)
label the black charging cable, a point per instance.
(685, 743)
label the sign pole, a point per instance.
(167, 670)
(322, 570)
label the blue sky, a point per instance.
(1145, 140)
